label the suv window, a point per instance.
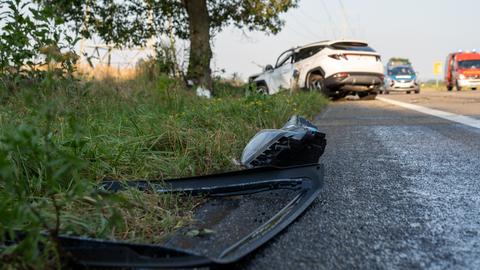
(285, 57)
(401, 71)
(352, 46)
(306, 53)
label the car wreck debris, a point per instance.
(297, 142)
(244, 209)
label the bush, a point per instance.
(33, 44)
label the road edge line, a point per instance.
(462, 119)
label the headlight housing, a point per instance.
(461, 77)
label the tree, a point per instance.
(132, 22)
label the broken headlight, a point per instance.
(297, 142)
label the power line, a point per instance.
(298, 33)
(332, 24)
(306, 28)
(309, 17)
(322, 24)
(346, 24)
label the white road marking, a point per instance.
(462, 119)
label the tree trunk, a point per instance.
(200, 51)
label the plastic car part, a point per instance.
(304, 182)
(297, 142)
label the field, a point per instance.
(60, 138)
(432, 85)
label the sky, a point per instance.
(424, 31)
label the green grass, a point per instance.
(58, 143)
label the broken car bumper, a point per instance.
(305, 181)
(354, 81)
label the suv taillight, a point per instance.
(338, 56)
(341, 75)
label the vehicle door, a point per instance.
(283, 73)
(448, 69)
(304, 60)
(454, 67)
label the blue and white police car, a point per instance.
(401, 78)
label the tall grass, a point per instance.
(76, 134)
(105, 72)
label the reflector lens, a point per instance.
(341, 75)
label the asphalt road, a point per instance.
(402, 191)
(465, 102)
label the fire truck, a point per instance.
(462, 71)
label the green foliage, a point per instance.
(32, 41)
(59, 137)
(34, 173)
(56, 145)
(163, 64)
(132, 22)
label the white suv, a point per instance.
(337, 68)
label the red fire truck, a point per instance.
(462, 70)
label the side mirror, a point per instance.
(268, 67)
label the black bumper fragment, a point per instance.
(306, 181)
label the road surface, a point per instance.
(402, 191)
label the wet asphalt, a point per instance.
(402, 191)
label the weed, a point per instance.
(56, 145)
(59, 137)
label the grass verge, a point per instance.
(59, 140)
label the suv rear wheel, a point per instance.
(316, 82)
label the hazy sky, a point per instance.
(422, 30)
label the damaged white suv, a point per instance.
(337, 68)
